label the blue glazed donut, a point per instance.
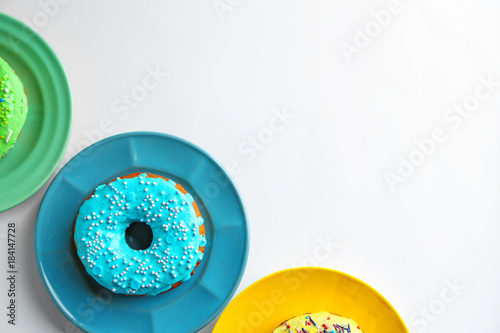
(162, 208)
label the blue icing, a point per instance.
(169, 239)
(97, 270)
(189, 197)
(130, 196)
(135, 284)
(200, 221)
(100, 235)
(203, 241)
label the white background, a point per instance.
(322, 176)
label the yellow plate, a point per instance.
(277, 297)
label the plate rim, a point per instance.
(244, 215)
(65, 88)
(313, 268)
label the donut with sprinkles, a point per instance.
(13, 107)
(319, 322)
(161, 208)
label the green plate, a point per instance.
(45, 135)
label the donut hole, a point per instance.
(139, 236)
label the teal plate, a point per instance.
(190, 306)
(45, 135)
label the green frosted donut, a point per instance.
(13, 107)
